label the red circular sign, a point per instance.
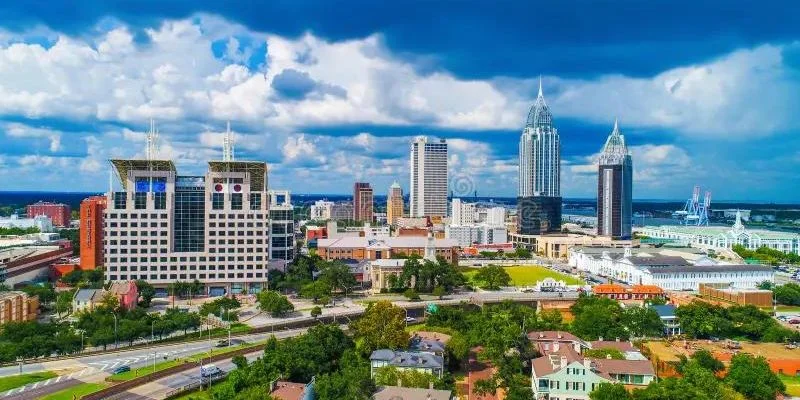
(218, 187)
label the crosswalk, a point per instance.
(101, 367)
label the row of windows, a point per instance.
(183, 259)
(135, 225)
(135, 216)
(136, 233)
(236, 233)
(135, 242)
(136, 251)
(153, 268)
(233, 250)
(235, 216)
(185, 276)
(235, 224)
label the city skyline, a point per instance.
(326, 106)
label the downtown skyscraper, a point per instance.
(539, 201)
(428, 178)
(615, 188)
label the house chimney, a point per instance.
(617, 339)
(556, 346)
(430, 386)
(587, 362)
(563, 361)
(399, 382)
(600, 338)
(559, 335)
(608, 356)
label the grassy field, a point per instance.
(787, 309)
(15, 381)
(792, 384)
(77, 391)
(529, 275)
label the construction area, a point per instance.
(783, 359)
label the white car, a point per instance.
(410, 319)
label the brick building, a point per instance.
(59, 213)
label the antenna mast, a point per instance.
(227, 144)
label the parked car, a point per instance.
(121, 369)
(410, 319)
(223, 343)
(209, 370)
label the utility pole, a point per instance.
(116, 342)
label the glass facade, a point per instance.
(140, 200)
(236, 201)
(120, 200)
(160, 200)
(255, 201)
(189, 226)
(217, 201)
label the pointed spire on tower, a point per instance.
(616, 127)
(227, 144)
(111, 180)
(738, 226)
(541, 94)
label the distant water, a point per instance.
(578, 206)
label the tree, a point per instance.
(316, 312)
(337, 275)
(493, 277)
(316, 290)
(274, 303)
(223, 307)
(752, 377)
(351, 382)
(704, 359)
(610, 391)
(702, 320)
(439, 292)
(239, 361)
(64, 302)
(411, 294)
(390, 376)
(146, 293)
(642, 322)
(611, 353)
(597, 317)
(411, 270)
(766, 285)
(381, 327)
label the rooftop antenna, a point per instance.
(227, 144)
(110, 180)
(152, 139)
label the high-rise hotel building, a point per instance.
(164, 227)
(362, 202)
(539, 201)
(428, 184)
(615, 188)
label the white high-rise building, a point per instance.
(539, 153)
(428, 184)
(321, 210)
(461, 213)
(495, 216)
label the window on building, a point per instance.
(255, 201)
(120, 200)
(217, 201)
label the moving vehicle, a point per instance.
(223, 343)
(121, 369)
(210, 370)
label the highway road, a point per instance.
(96, 368)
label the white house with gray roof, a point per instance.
(407, 361)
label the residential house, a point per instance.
(424, 345)
(126, 292)
(667, 314)
(407, 360)
(565, 374)
(549, 341)
(284, 390)
(403, 393)
(87, 299)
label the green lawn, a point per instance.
(529, 275)
(15, 381)
(787, 308)
(792, 384)
(77, 391)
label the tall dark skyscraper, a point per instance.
(539, 201)
(615, 188)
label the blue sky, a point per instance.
(332, 92)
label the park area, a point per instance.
(522, 276)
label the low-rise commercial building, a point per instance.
(31, 263)
(468, 235)
(40, 222)
(723, 292)
(18, 307)
(363, 248)
(86, 300)
(636, 292)
(720, 237)
(557, 245)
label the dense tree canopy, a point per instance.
(381, 327)
(274, 303)
(492, 277)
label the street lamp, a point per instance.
(116, 343)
